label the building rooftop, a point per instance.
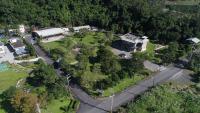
(15, 43)
(132, 38)
(82, 27)
(194, 40)
(51, 31)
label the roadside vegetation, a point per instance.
(168, 98)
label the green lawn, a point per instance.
(122, 85)
(64, 45)
(92, 38)
(54, 106)
(10, 77)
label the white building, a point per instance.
(78, 28)
(194, 40)
(50, 33)
(21, 29)
(2, 49)
(135, 43)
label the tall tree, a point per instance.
(24, 102)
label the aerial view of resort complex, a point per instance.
(99, 56)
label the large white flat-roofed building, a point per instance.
(2, 49)
(50, 33)
(134, 43)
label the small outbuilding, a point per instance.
(18, 46)
(78, 28)
(194, 40)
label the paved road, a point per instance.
(132, 92)
(90, 105)
(43, 55)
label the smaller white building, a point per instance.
(21, 29)
(135, 43)
(78, 28)
(2, 49)
(194, 40)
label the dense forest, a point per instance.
(121, 16)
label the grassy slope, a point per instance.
(122, 85)
(64, 45)
(167, 99)
(54, 106)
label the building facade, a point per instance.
(134, 43)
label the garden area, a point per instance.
(88, 57)
(68, 48)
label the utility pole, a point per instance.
(68, 82)
(112, 100)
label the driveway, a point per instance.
(118, 52)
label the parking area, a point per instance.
(122, 54)
(7, 56)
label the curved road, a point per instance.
(90, 105)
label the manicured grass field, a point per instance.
(122, 85)
(10, 77)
